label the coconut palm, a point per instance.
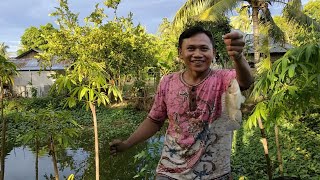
(213, 10)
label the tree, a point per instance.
(86, 81)
(34, 38)
(290, 88)
(4, 50)
(90, 77)
(7, 71)
(297, 34)
(242, 21)
(312, 9)
(49, 129)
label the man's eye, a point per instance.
(190, 48)
(204, 49)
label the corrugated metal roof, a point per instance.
(274, 46)
(27, 52)
(33, 64)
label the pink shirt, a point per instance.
(192, 136)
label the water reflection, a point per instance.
(20, 164)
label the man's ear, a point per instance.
(179, 52)
(214, 52)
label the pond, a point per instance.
(20, 163)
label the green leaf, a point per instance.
(319, 81)
(91, 92)
(308, 52)
(83, 91)
(71, 102)
(292, 70)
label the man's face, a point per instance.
(197, 52)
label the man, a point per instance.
(202, 107)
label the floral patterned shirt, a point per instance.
(199, 136)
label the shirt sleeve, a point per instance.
(158, 112)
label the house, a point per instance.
(277, 50)
(33, 80)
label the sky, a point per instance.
(17, 15)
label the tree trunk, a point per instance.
(265, 147)
(37, 159)
(255, 19)
(54, 158)
(3, 139)
(96, 140)
(276, 130)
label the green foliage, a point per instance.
(126, 50)
(300, 141)
(293, 14)
(312, 9)
(290, 88)
(296, 34)
(299, 144)
(7, 71)
(3, 50)
(148, 159)
(113, 122)
(86, 81)
(34, 38)
(112, 3)
(242, 21)
(44, 123)
(167, 49)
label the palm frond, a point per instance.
(189, 9)
(298, 16)
(217, 10)
(275, 32)
(280, 2)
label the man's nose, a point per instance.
(197, 53)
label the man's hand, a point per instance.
(118, 146)
(234, 44)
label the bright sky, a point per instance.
(17, 15)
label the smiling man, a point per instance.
(202, 107)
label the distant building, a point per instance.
(33, 78)
(277, 50)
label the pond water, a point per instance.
(20, 163)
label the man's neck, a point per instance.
(193, 78)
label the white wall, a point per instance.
(41, 82)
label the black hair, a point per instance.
(191, 31)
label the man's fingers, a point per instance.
(234, 42)
(115, 142)
(114, 146)
(235, 48)
(233, 35)
(234, 53)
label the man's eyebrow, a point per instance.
(200, 45)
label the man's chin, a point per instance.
(200, 69)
